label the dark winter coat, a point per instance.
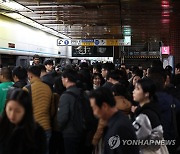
(18, 84)
(16, 143)
(65, 112)
(119, 128)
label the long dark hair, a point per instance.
(27, 123)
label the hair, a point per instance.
(36, 56)
(23, 98)
(35, 70)
(158, 76)
(6, 72)
(103, 95)
(138, 73)
(42, 68)
(149, 86)
(20, 72)
(108, 66)
(97, 67)
(114, 75)
(83, 65)
(94, 75)
(178, 65)
(169, 68)
(48, 62)
(70, 74)
(120, 90)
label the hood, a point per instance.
(153, 106)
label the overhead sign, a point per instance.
(63, 42)
(95, 42)
(92, 51)
(87, 42)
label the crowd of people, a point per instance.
(87, 109)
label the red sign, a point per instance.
(165, 50)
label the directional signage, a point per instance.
(61, 42)
(95, 42)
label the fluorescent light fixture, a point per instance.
(14, 5)
(16, 8)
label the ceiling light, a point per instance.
(14, 5)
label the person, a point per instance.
(96, 68)
(6, 83)
(36, 60)
(177, 69)
(19, 75)
(96, 80)
(112, 78)
(105, 68)
(118, 126)
(122, 98)
(167, 100)
(72, 138)
(48, 65)
(41, 96)
(48, 75)
(147, 122)
(19, 133)
(122, 103)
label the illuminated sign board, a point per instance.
(165, 50)
(95, 42)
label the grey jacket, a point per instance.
(65, 112)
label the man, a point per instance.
(105, 69)
(118, 129)
(41, 99)
(36, 60)
(19, 75)
(112, 78)
(48, 75)
(72, 138)
(49, 65)
(6, 83)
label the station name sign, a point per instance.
(95, 42)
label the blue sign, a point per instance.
(66, 42)
(88, 40)
(96, 42)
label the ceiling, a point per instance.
(143, 20)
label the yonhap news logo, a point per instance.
(114, 142)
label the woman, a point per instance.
(19, 134)
(147, 122)
(97, 80)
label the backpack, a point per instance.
(82, 113)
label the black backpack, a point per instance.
(82, 113)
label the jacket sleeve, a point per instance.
(99, 132)
(63, 111)
(145, 132)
